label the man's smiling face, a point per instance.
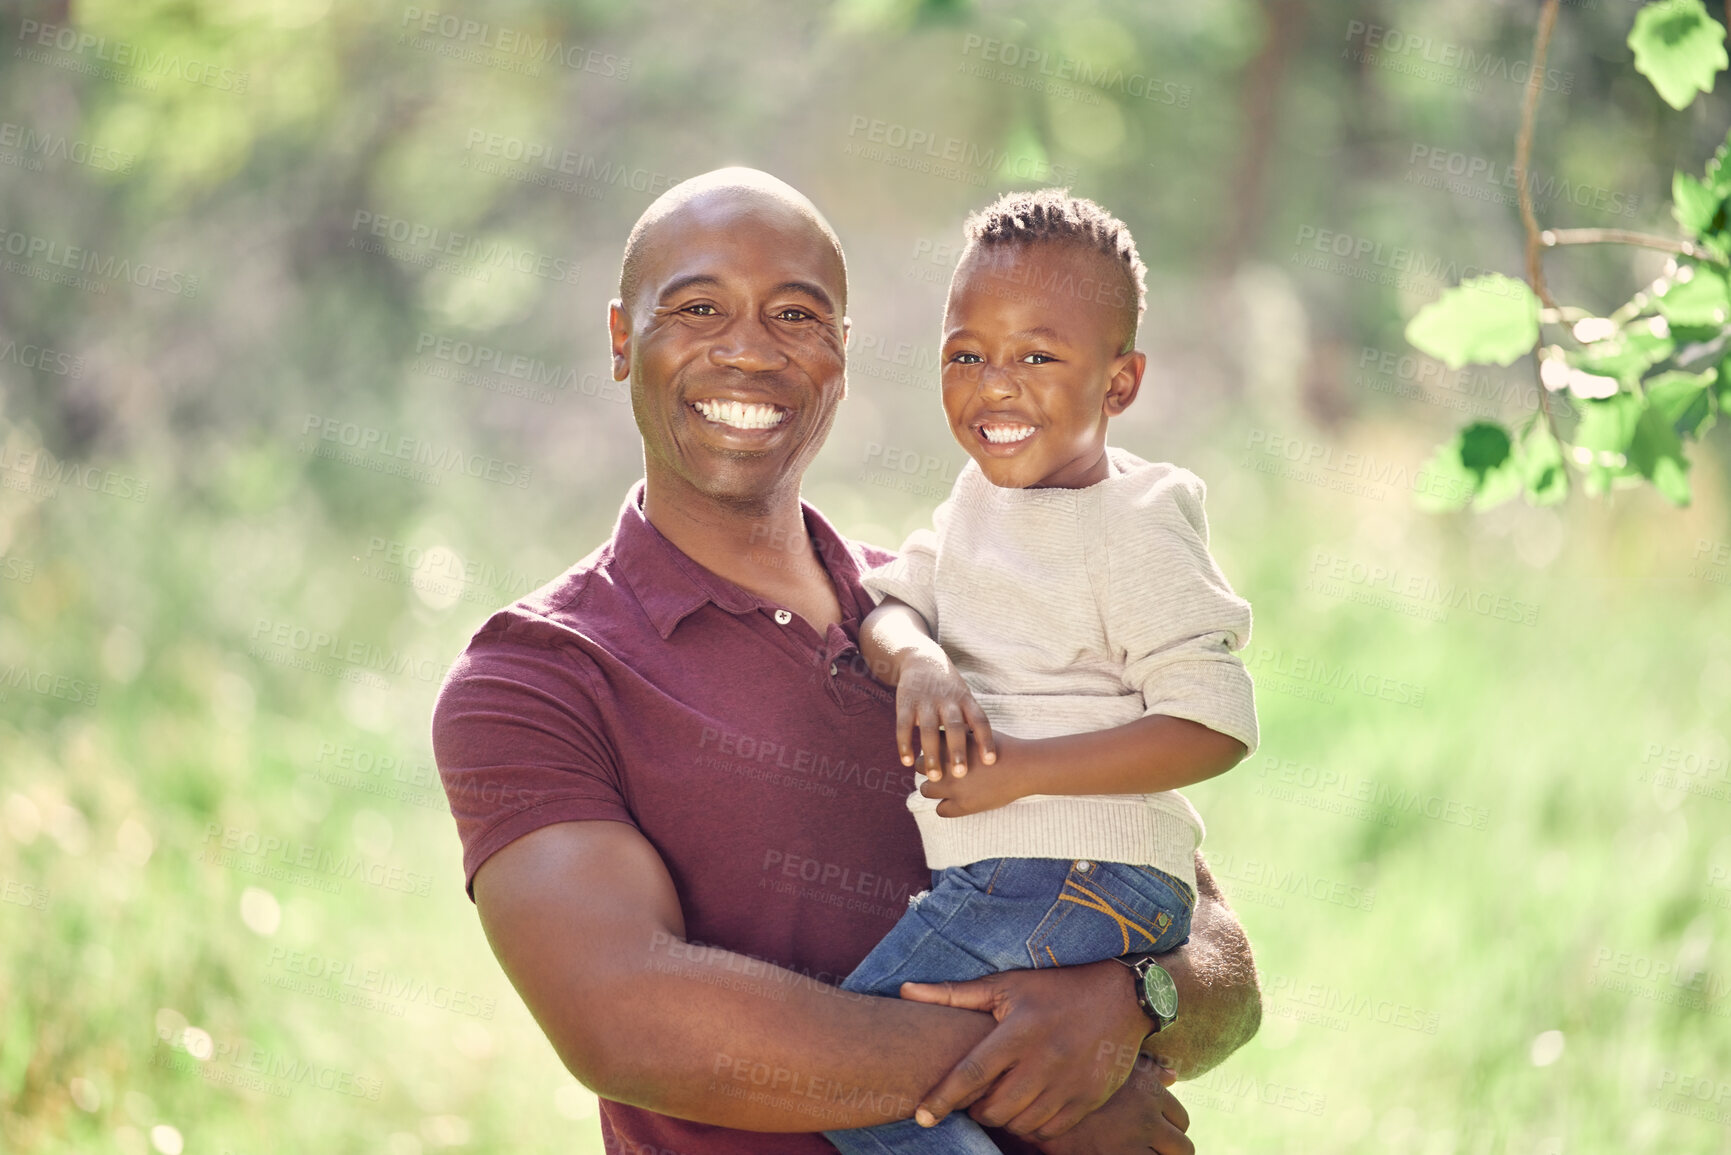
(734, 344)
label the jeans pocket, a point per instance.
(1107, 909)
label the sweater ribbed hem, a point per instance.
(1160, 830)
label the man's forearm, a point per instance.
(587, 925)
(716, 1037)
(1219, 998)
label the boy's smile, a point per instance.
(1032, 368)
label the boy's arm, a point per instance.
(1151, 754)
(931, 695)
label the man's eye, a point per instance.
(793, 315)
(700, 310)
(966, 359)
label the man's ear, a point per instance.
(846, 332)
(1125, 382)
(619, 334)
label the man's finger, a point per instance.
(1174, 1111)
(1008, 1098)
(1066, 1117)
(967, 1081)
(974, 995)
(1034, 1119)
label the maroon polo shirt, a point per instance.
(756, 754)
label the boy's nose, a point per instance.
(996, 383)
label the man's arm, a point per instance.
(1219, 998)
(1219, 1008)
(586, 923)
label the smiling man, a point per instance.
(679, 792)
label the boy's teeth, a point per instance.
(740, 414)
(1004, 434)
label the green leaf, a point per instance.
(1700, 301)
(1487, 452)
(1684, 399)
(1679, 48)
(1608, 424)
(1656, 454)
(1484, 445)
(1718, 171)
(1543, 470)
(1491, 319)
(1626, 355)
(1478, 465)
(1443, 483)
(1698, 208)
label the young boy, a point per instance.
(1066, 597)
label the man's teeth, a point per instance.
(740, 414)
(1004, 434)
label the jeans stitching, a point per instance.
(1048, 928)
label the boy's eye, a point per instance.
(966, 359)
(1039, 358)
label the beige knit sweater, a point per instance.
(1071, 610)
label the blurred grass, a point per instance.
(1496, 955)
(1411, 961)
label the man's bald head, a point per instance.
(733, 187)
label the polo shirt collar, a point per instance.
(670, 586)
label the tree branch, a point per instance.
(1524, 187)
(1552, 237)
(1524, 150)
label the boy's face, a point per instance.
(1031, 364)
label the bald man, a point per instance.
(678, 789)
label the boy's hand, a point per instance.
(933, 699)
(981, 790)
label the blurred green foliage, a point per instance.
(322, 290)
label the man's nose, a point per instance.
(749, 346)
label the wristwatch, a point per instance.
(1155, 991)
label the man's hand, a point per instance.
(983, 789)
(933, 700)
(1060, 1050)
(1142, 1116)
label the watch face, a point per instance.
(1162, 993)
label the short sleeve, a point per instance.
(519, 742)
(911, 577)
(1171, 614)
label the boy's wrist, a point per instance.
(906, 656)
(1019, 764)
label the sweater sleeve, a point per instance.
(911, 576)
(1170, 613)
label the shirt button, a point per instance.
(782, 617)
(832, 669)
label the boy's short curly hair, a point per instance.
(1052, 214)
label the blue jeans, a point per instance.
(1005, 914)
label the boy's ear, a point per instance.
(1125, 381)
